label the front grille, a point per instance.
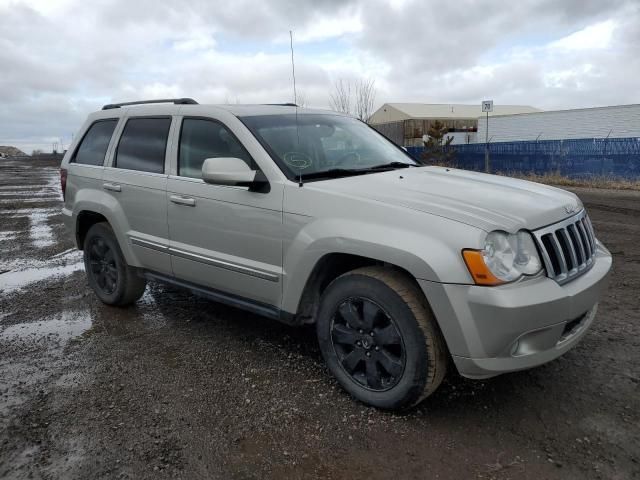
(568, 247)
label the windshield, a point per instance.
(324, 143)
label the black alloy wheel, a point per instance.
(103, 265)
(368, 344)
(109, 274)
(379, 338)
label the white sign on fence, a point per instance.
(487, 106)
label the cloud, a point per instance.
(61, 60)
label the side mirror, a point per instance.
(234, 172)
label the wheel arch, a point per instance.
(89, 215)
(85, 219)
(326, 269)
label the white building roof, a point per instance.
(395, 112)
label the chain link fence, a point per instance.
(575, 158)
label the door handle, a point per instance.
(112, 186)
(188, 201)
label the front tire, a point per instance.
(109, 275)
(379, 338)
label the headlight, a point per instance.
(504, 258)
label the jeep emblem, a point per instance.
(571, 207)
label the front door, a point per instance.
(223, 237)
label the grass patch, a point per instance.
(591, 182)
(557, 179)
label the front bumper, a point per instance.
(493, 330)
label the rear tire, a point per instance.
(109, 275)
(380, 339)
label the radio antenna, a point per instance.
(293, 69)
(295, 101)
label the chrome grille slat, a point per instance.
(545, 255)
(575, 234)
(573, 259)
(567, 248)
(558, 251)
(584, 239)
(590, 235)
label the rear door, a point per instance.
(136, 181)
(224, 237)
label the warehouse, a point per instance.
(407, 123)
(622, 121)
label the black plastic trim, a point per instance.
(232, 300)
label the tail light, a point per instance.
(63, 181)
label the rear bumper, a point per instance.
(493, 330)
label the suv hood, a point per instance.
(489, 202)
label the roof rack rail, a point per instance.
(281, 104)
(177, 101)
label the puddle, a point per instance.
(17, 280)
(69, 251)
(23, 187)
(73, 379)
(25, 212)
(40, 231)
(34, 194)
(9, 235)
(14, 265)
(30, 200)
(64, 326)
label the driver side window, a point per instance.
(201, 139)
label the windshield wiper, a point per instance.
(347, 172)
(335, 173)
(390, 166)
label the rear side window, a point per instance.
(93, 147)
(143, 144)
(201, 139)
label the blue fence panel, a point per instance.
(588, 157)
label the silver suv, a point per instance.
(308, 216)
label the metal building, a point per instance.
(406, 123)
(622, 121)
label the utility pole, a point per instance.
(486, 145)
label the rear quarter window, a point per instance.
(143, 144)
(93, 146)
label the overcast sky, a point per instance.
(60, 60)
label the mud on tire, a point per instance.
(109, 275)
(380, 339)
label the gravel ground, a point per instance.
(180, 387)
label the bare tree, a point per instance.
(301, 99)
(340, 98)
(229, 101)
(365, 93)
(354, 97)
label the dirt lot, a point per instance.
(179, 387)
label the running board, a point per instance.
(221, 297)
